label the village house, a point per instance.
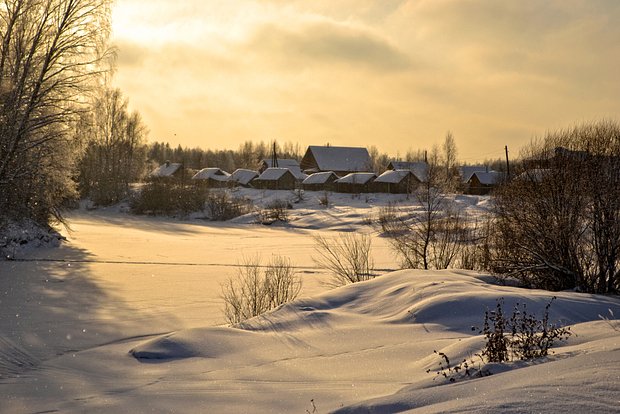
(321, 181)
(418, 168)
(212, 177)
(481, 183)
(289, 163)
(275, 179)
(339, 160)
(168, 171)
(355, 183)
(242, 177)
(396, 182)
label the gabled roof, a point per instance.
(320, 177)
(418, 168)
(466, 171)
(338, 158)
(211, 173)
(356, 178)
(289, 163)
(394, 176)
(487, 178)
(273, 174)
(167, 169)
(243, 176)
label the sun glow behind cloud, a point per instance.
(395, 74)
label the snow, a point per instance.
(126, 317)
(211, 173)
(319, 178)
(356, 178)
(487, 178)
(393, 176)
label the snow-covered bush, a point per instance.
(256, 289)
(221, 206)
(276, 210)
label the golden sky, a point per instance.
(396, 74)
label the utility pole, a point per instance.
(274, 157)
(507, 162)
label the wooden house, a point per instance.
(211, 178)
(168, 171)
(339, 160)
(242, 177)
(481, 183)
(275, 179)
(321, 181)
(289, 163)
(418, 168)
(396, 182)
(355, 183)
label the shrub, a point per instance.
(522, 336)
(168, 199)
(347, 257)
(559, 220)
(257, 289)
(276, 210)
(220, 206)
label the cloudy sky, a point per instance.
(397, 74)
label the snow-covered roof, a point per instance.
(340, 158)
(418, 168)
(466, 171)
(243, 176)
(211, 173)
(393, 176)
(487, 178)
(319, 178)
(356, 178)
(166, 170)
(273, 174)
(291, 164)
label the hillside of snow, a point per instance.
(126, 316)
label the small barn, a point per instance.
(418, 168)
(168, 171)
(321, 181)
(242, 177)
(481, 183)
(355, 183)
(212, 177)
(275, 179)
(340, 160)
(396, 182)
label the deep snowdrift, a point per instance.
(390, 326)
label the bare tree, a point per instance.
(430, 236)
(50, 53)
(255, 290)
(346, 256)
(115, 151)
(558, 222)
(449, 161)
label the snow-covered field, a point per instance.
(126, 317)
